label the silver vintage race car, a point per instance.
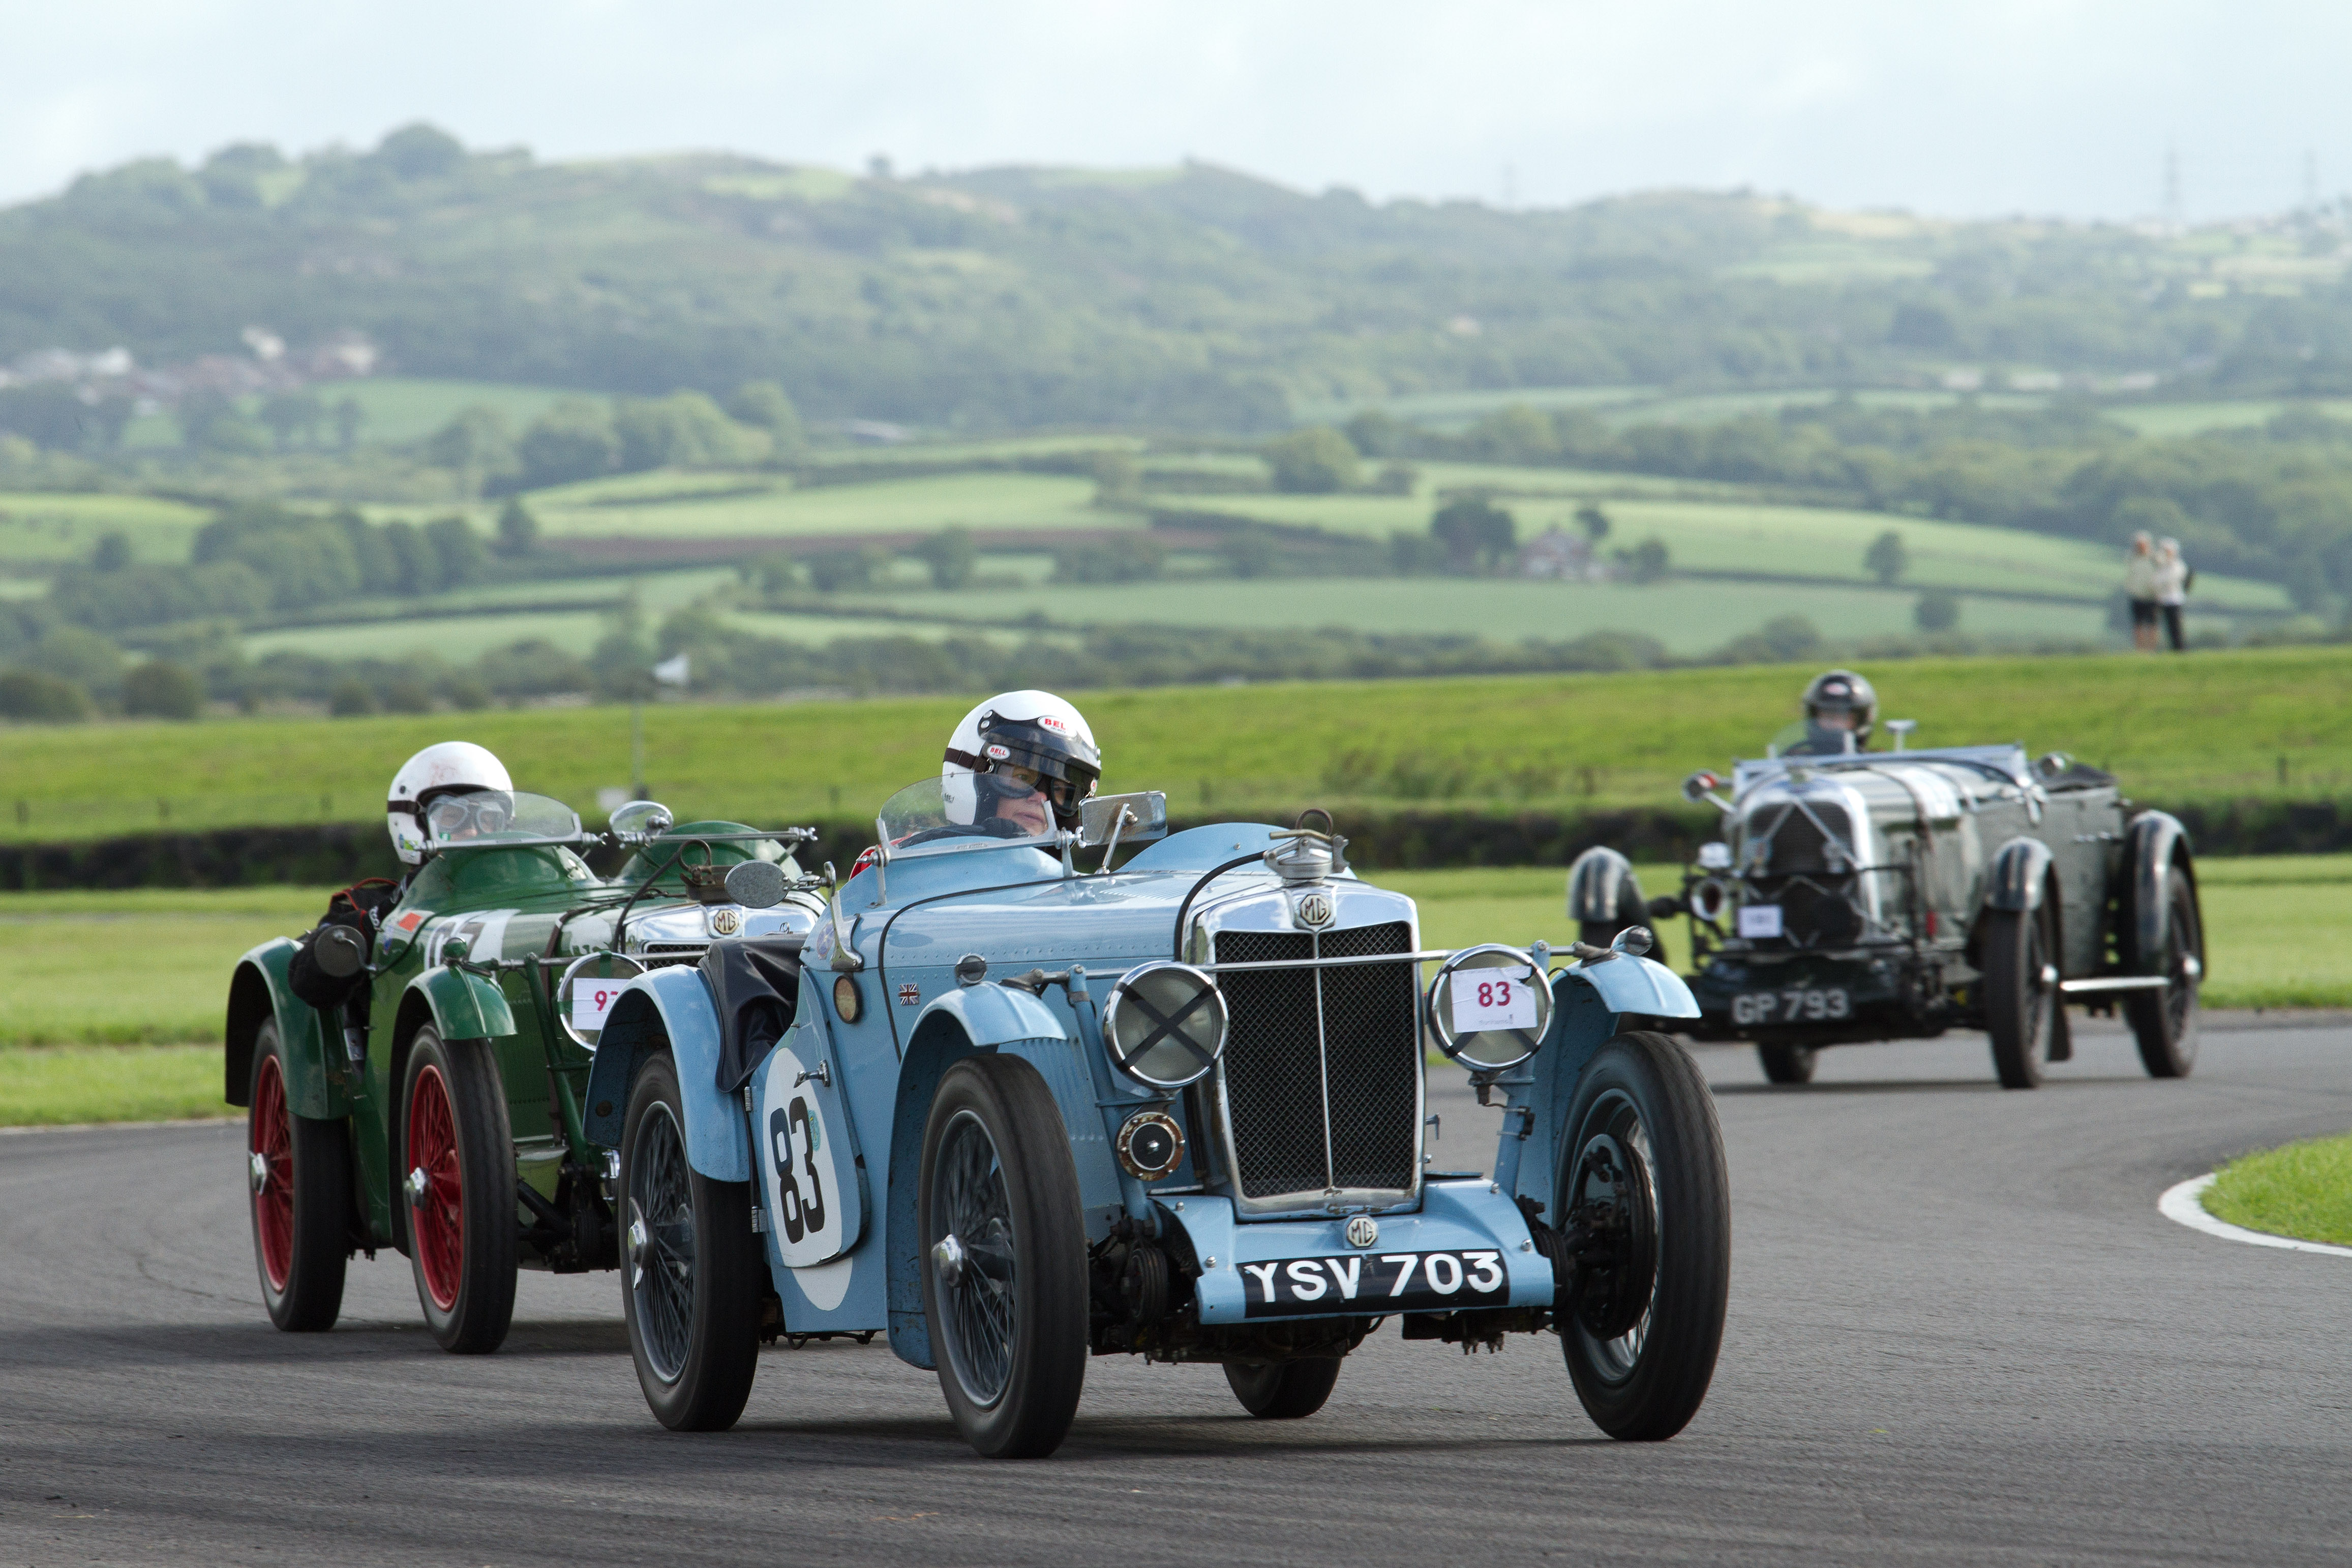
(1878, 896)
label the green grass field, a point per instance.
(45, 529)
(2302, 1190)
(1815, 541)
(2202, 727)
(1689, 617)
(80, 972)
(978, 501)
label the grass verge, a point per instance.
(55, 1086)
(2304, 1190)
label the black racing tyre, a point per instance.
(1286, 1390)
(1003, 1257)
(1788, 1064)
(457, 1156)
(299, 1171)
(2165, 1022)
(2020, 957)
(691, 1270)
(1643, 1174)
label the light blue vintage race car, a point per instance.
(1014, 1115)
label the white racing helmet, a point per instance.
(1036, 730)
(453, 768)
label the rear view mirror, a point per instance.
(339, 952)
(756, 884)
(1123, 818)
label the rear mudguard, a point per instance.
(316, 1084)
(2153, 844)
(669, 1008)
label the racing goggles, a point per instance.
(469, 814)
(1012, 779)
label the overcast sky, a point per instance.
(1992, 106)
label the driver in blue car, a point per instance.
(442, 794)
(1020, 765)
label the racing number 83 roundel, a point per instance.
(810, 1214)
(1490, 1007)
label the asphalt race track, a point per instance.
(1959, 1331)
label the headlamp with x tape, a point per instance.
(1165, 1024)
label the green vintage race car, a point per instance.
(448, 1127)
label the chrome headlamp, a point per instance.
(1489, 1006)
(1165, 1024)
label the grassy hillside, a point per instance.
(1018, 298)
(1688, 617)
(2200, 727)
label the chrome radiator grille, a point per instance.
(1321, 1073)
(1808, 871)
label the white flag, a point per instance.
(671, 671)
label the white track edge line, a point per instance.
(2183, 1204)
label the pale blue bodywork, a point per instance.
(1014, 907)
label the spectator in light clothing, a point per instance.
(2139, 585)
(2172, 580)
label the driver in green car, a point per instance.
(445, 794)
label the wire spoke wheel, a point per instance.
(2022, 999)
(693, 1275)
(457, 1190)
(437, 1215)
(982, 1309)
(269, 1146)
(298, 1175)
(1003, 1257)
(2164, 1023)
(662, 1242)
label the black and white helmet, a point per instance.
(1016, 734)
(1843, 691)
(462, 779)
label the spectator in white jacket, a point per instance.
(2172, 580)
(2139, 586)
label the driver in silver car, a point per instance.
(1840, 711)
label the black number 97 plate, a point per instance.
(1375, 1282)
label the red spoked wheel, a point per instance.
(299, 1173)
(438, 1210)
(269, 1153)
(457, 1185)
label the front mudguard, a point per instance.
(464, 1006)
(958, 1024)
(317, 1085)
(669, 1008)
(1591, 1003)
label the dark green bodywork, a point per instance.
(541, 905)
